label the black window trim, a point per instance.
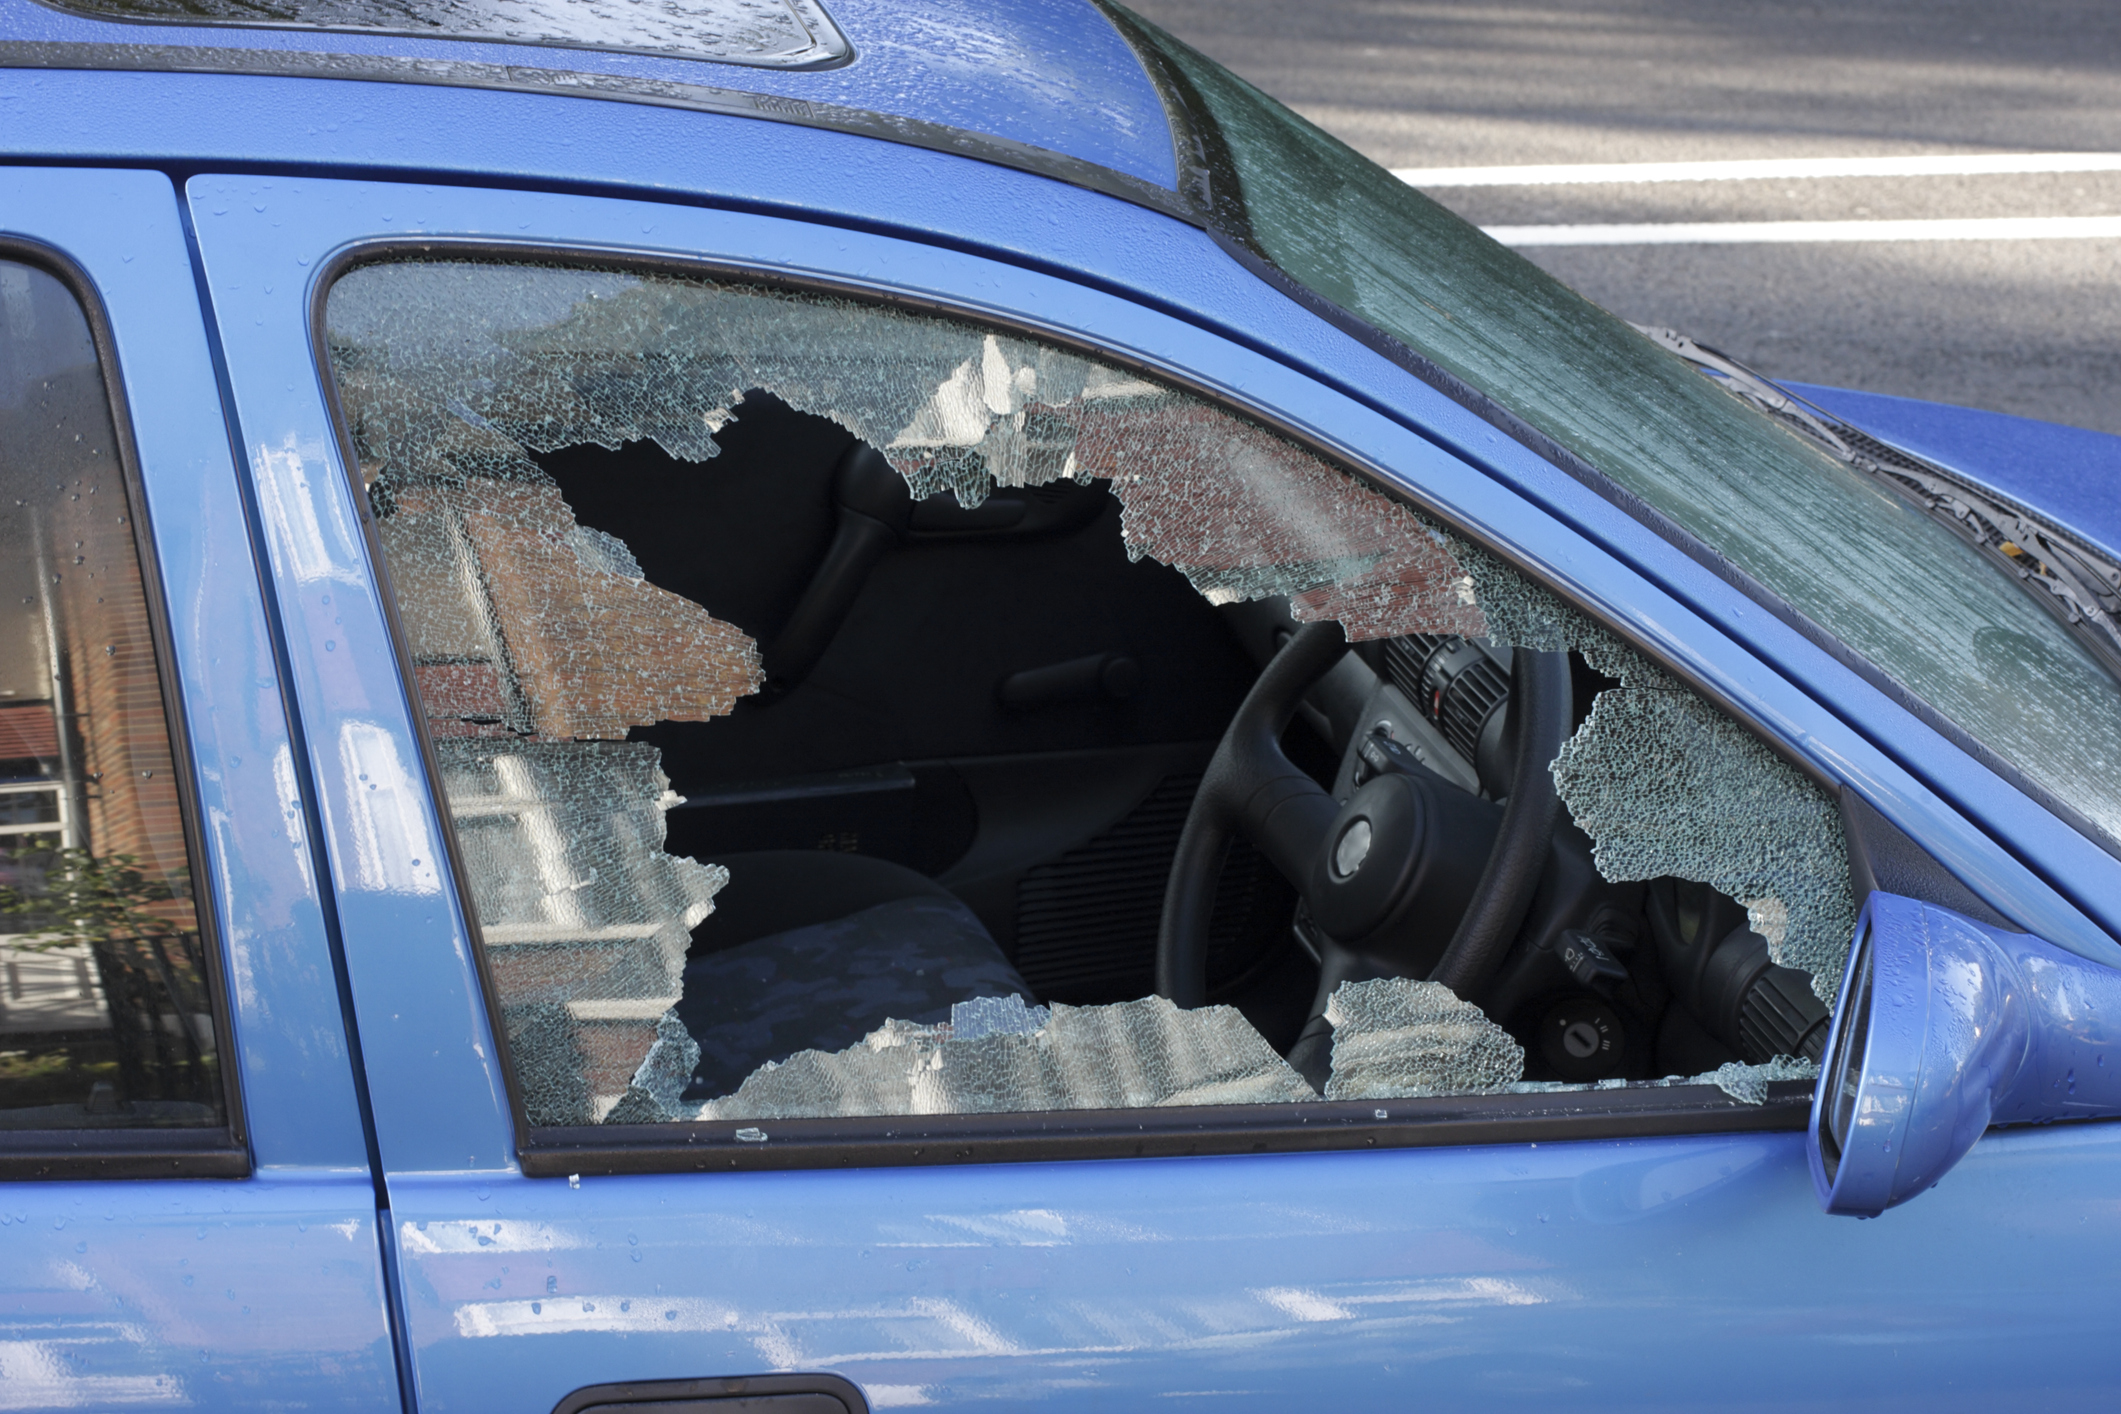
(205, 1151)
(889, 1141)
(1324, 1126)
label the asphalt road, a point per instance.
(2024, 326)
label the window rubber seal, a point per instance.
(1324, 1126)
(203, 1151)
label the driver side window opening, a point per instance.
(819, 692)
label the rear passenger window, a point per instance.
(106, 1017)
(817, 691)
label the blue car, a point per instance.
(804, 706)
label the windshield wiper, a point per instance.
(2080, 584)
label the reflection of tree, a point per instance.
(148, 958)
(85, 900)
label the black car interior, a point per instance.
(998, 703)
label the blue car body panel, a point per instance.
(1647, 1272)
(2071, 474)
(1051, 76)
(256, 1294)
(1642, 1274)
(1509, 1275)
(232, 1293)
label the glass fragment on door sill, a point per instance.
(1131, 1055)
(1396, 1038)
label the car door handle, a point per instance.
(740, 1394)
(1101, 677)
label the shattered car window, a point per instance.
(1668, 785)
(504, 415)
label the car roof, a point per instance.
(1052, 75)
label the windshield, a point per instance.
(1890, 582)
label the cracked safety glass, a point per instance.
(819, 690)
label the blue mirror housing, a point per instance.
(1947, 1026)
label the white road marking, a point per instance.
(1983, 228)
(1761, 169)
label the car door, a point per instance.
(184, 1177)
(1607, 1251)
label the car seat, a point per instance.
(814, 949)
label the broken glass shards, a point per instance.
(1244, 515)
(456, 369)
(524, 621)
(1133, 1055)
(1395, 1038)
(585, 919)
(996, 1016)
(1749, 1083)
(1241, 512)
(655, 1094)
(1666, 784)
(1742, 1082)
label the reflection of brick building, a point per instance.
(85, 760)
(585, 918)
(80, 694)
(113, 690)
(41, 990)
(537, 644)
(27, 734)
(33, 802)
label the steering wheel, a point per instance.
(1413, 877)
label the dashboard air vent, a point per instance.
(1407, 658)
(1470, 694)
(1452, 681)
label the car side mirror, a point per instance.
(1945, 1027)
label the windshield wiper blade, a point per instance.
(2079, 582)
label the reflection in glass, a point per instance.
(104, 1013)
